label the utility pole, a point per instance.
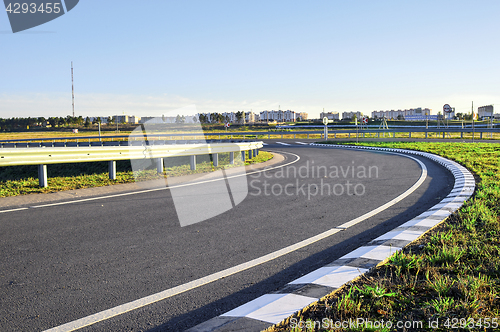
(72, 90)
(473, 130)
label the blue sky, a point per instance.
(152, 57)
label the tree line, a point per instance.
(9, 124)
(219, 118)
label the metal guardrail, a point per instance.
(331, 131)
(43, 156)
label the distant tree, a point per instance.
(52, 121)
(183, 119)
(239, 116)
(61, 122)
(87, 122)
(110, 120)
(178, 119)
(195, 119)
(400, 117)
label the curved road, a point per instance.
(64, 262)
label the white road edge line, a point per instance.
(151, 190)
(283, 143)
(121, 309)
(12, 210)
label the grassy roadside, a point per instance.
(446, 281)
(23, 180)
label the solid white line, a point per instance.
(302, 143)
(156, 189)
(282, 143)
(417, 184)
(121, 309)
(12, 210)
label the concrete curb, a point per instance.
(270, 309)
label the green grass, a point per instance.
(450, 275)
(23, 180)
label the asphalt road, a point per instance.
(64, 262)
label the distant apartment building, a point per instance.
(133, 119)
(120, 118)
(251, 117)
(303, 116)
(407, 114)
(350, 115)
(229, 116)
(330, 115)
(485, 111)
(278, 116)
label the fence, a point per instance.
(76, 152)
(313, 134)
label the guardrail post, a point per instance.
(112, 169)
(231, 158)
(425, 134)
(269, 136)
(215, 159)
(394, 134)
(254, 153)
(159, 165)
(443, 134)
(481, 135)
(409, 134)
(242, 155)
(281, 135)
(378, 135)
(193, 162)
(462, 134)
(257, 151)
(307, 136)
(42, 175)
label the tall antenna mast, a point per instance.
(72, 90)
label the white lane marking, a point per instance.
(121, 309)
(282, 143)
(12, 210)
(156, 189)
(417, 184)
(302, 143)
(264, 143)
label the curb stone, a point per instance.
(270, 309)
